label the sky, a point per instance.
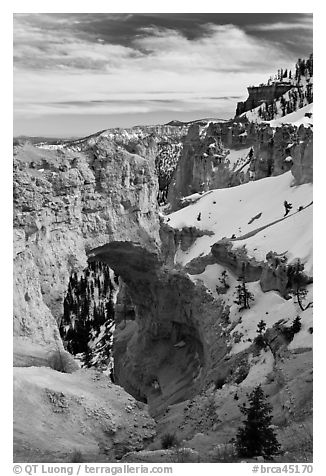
(78, 73)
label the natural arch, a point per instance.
(161, 351)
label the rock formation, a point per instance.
(66, 203)
(205, 159)
(260, 94)
(183, 346)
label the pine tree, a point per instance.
(256, 437)
(223, 279)
(296, 325)
(309, 65)
(297, 283)
(243, 295)
(261, 326)
(260, 340)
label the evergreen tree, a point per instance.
(260, 339)
(256, 437)
(297, 282)
(296, 325)
(309, 65)
(283, 105)
(84, 314)
(261, 326)
(243, 295)
(223, 279)
(302, 68)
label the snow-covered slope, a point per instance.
(238, 158)
(246, 209)
(252, 215)
(295, 118)
(292, 235)
(298, 98)
(301, 116)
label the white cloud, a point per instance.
(278, 26)
(56, 66)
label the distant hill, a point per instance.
(203, 121)
(20, 140)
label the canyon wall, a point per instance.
(101, 204)
(204, 162)
(65, 203)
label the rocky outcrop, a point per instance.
(204, 163)
(283, 149)
(302, 154)
(260, 94)
(161, 143)
(66, 202)
(201, 166)
(237, 260)
(173, 239)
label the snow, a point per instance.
(304, 339)
(253, 115)
(210, 278)
(298, 93)
(237, 158)
(292, 235)
(49, 146)
(260, 367)
(254, 212)
(228, 211)
(270, 307)
(296, 118)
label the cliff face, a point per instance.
(286, 148)
(260, 94)
(203, 164)
(160, 143)
(219, 157)
(67, 202)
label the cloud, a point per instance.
(64, 66)
(304, 24)
(38, 45)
